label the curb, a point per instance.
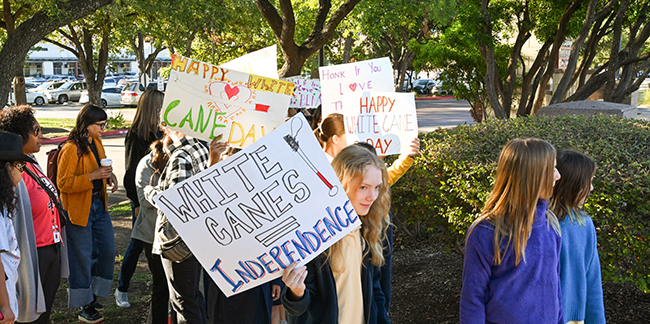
(61, 139)
(435, 98)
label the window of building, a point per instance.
(58, 68)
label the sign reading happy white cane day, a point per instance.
(386, 120)
(204, 100)
(275, 202)
(358, 77)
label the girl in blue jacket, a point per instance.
(582, 290)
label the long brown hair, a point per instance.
(159, 157)
(350, 165)
(524, 174)
(577, 170)
(146, 122)
(87, 116)
(332, 125)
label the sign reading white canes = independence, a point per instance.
(263, 62)
(358, 77)
(306, 93)
(385, 120)
(248, 217)
(204, 100)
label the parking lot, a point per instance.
(71, 109)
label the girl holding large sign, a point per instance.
(342, 284)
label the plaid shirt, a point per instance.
(187, 157)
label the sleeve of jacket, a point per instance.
(142, 175)
(67, 163)
(295, 306)
(476, 276)
(398, 169)
(134, 149)
(595, 309)
(378, 297)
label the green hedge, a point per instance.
(447, 186)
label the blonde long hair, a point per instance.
(524, 174)
(350, 165)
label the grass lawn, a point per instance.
(59, 127)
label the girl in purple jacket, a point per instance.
(512, 254)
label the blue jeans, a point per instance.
(91, 254)
(130, 261)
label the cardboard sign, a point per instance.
(386, 120)
(263, 62)
(358, 77)
(248, 217)
(306, 93)
(203, 100)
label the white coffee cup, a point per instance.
(106, 162)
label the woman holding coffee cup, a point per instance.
(82, 182)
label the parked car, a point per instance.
(51, 85)
(60, 77)
(423, 86)
(33, 97)
(132, 91)
(110, 97)
(69, 91)
(34, 80)
(111, 82)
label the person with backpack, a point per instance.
(37, 222)
(91, 243)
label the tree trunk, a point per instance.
(565, 82)
(33, 30)
(347, 48)
(20, 97)
(526, 87)
(284, 28)
(550, 68)
(491, 75)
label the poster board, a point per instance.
(358, 77)
(306, 93)
(282, 203)
(263, 62)
(386, 120)
(204, 100)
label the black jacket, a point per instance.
(135, 148)
(319, 303)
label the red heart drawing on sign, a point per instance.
(353, 86)
(230, 92)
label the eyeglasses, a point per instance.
(37, 130)
(20, 166)
(102, 125)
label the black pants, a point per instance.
(49, 268)
(183, 282)
(160, 292)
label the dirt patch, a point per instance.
(426, 286)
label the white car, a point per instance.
(69, 91)
(50, 85)
(131, 93)
(110, 97)
(34, 97)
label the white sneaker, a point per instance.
(122, 299)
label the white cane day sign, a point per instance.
(204, 101)
(248, 217)
(358, 77)
(385, 120)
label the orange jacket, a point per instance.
(74, 182)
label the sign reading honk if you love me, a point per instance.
(358, 77)
(204, 100)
